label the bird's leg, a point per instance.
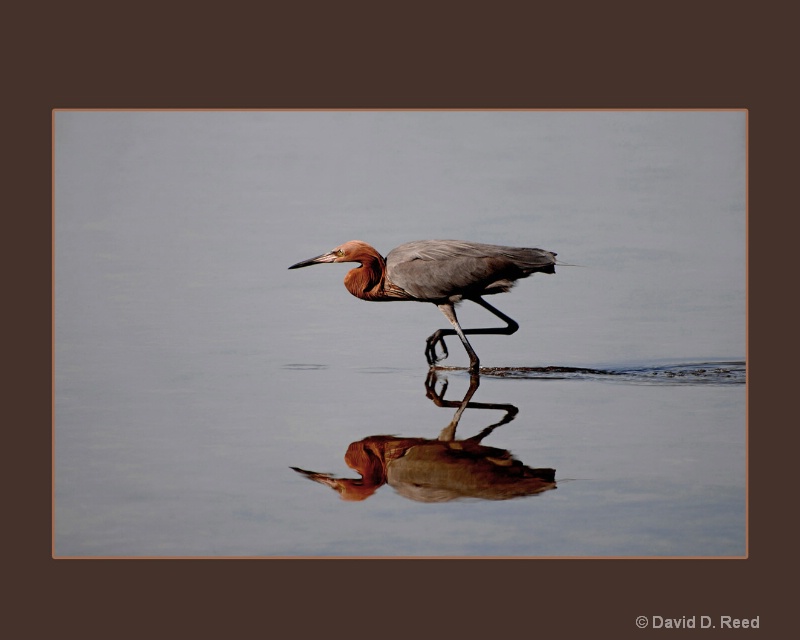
(511, 325)
(450, 313)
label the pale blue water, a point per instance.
(193, 369)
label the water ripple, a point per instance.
(716, 373)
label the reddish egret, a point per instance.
(442, 272)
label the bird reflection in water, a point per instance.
(439, 470)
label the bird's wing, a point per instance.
(446, 249)
(438, 269)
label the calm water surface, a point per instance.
(194, 371)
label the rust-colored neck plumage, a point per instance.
(366, 281)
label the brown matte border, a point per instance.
(600, 56)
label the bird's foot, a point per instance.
(430, 348)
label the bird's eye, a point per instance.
(339, 253)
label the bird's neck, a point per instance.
(366, 281)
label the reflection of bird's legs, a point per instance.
(511, 413)
(438, 398)
(449, 312)
(430, 388)
(448, 434)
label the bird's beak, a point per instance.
(322, 478)
(352, 490)
(325, 257)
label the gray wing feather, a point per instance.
(439, 269)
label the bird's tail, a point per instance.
(567, 264)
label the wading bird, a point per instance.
(443, 272)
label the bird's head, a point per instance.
(352, 251)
